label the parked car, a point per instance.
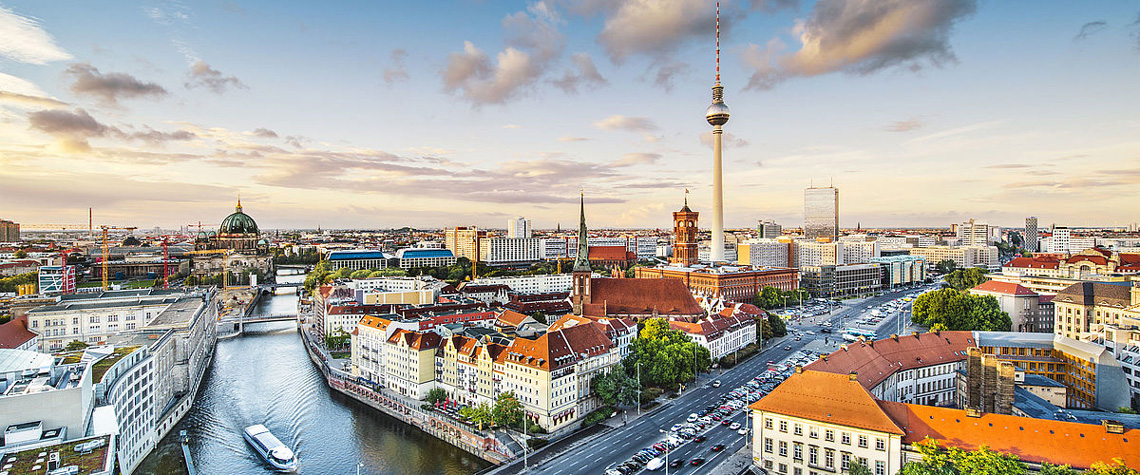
(734, 426)
(717, 447)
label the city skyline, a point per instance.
(161, 113)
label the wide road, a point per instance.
(619, 445)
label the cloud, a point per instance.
(70, 129)
(397, 72)
(585, 74)
(771, 6)
(731, 139)
(654, 27)
(664, 73)
(630, 124)
(156, 137)
(512, 126)
(631, 159)
(29, 100)
(862, 37)
(1090, 28)
(913, 123)
(111, 87)
(202, 75)
(23, 40)
(533, 43)
(1001, 166)
(263, 133)
(567, 138)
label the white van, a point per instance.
(655, 464)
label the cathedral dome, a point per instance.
(238, 223)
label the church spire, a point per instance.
(582, 261)
(239, 202)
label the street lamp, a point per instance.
(667, 450)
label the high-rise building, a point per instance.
(685, 236)
(518, 228)
(974, 233)
(1030, 240)
(9, 231)
(717, 116)
(464, 241)
(821, 213)
(1060, 241)
(768, 229)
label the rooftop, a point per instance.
(100, 368)
(95, 460)
(361, 254)
(1007, 288)
(876, 361)
(15, 333)
(827, 397)
(20, 360)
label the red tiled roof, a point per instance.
(827, 397)
(1033, 263)
(511, 317)
(15, 333)
(1031, 440)
(560, 348)
(1098, 260)
(876, 361)
(1008, 288)
(374, 322)
(641, 297)
(608, 253)
(418, 341)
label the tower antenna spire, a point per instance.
(718, 42)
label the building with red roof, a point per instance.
(1021, 303)
(15, 335)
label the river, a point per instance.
(265, 377)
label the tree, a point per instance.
(856, 468)
(1126, 410)
(75, 345)
(1050, 469)
(1117, 467)
(955, 460)
(479, 415)
(360, 274)
(616, 387)
(21, 254)
(966, 279)
(777, 325)
(946, 266)
(437, 395)
(950, 309)
(337, 340)
(666, 355)
(343, 273)
(507, 410)
(191, 281)
(768, 297)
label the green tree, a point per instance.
(856, 468)
(9, 284)
(20, 254)
(777, 325)
(507, 410)
(343, 273)
(1050, 469)
(616, 387)
(667, 356)
(768, 297)
(360, 274)
(953, 460)
(1126, 410)
(131, 241)
(75, 345)
(945, 266)
(436, 395)
(191, 281)
(338, 340)
(1117, 467)
(479, 415)
(966, 279)
(950, 309)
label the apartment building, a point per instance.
(764, 253)
(409, 362)
(963, 256)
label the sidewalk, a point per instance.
(736, 463)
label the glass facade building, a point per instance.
(821, 213)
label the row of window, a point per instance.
(828, 434)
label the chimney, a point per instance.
(894, 337)
(915, 334)
(853, 376)
(1112, 427)
(844, 346)
(824, 357)
(799, 369)
(973, 412)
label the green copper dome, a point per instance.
(238, 223)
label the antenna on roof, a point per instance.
(718, 42)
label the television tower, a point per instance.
(717, 115)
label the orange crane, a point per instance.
(105, 228)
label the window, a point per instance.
(798, 429)
(845, 438)
(813, 432)
(94, 319)
(829, 435)
(783, 449)
(813, 455)
(768, 445)
(798, 471)
(862, 461)
(798, 451)
(783, 426)
(35, 323)
(880, 468)
(75, 320)
(767, 422)
(829, 458)
(880, 444)
(783, 468)
(844, 460)
(862, 441)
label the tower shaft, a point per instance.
(717, 245)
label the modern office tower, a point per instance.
(768, 229)
(1061, 236)
(974, 233)
(1030, 241)
(518, 228)
(821, 213)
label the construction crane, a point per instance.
(225, 265)
(105, 228)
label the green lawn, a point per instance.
(100, 368)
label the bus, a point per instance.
(855, 332)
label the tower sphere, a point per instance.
(717, 113)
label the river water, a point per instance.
(265, 377)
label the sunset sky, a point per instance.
(430, 114)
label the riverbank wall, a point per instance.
(481, 444)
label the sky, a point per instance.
(428, 114)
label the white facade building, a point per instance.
(1060, 240)
(513, 250)
(518, 228)
(530, 284)
(763, 253)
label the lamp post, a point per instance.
(639, 387)
(667, 450)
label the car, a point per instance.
(716, 384)
(716, 417)
(726, 422)
(676, 463)
(693, 417)
(696, 462)
(734, 426)
(742, 431)
(787, 348)
(613, 471)
(717, 447)
(699, 439)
